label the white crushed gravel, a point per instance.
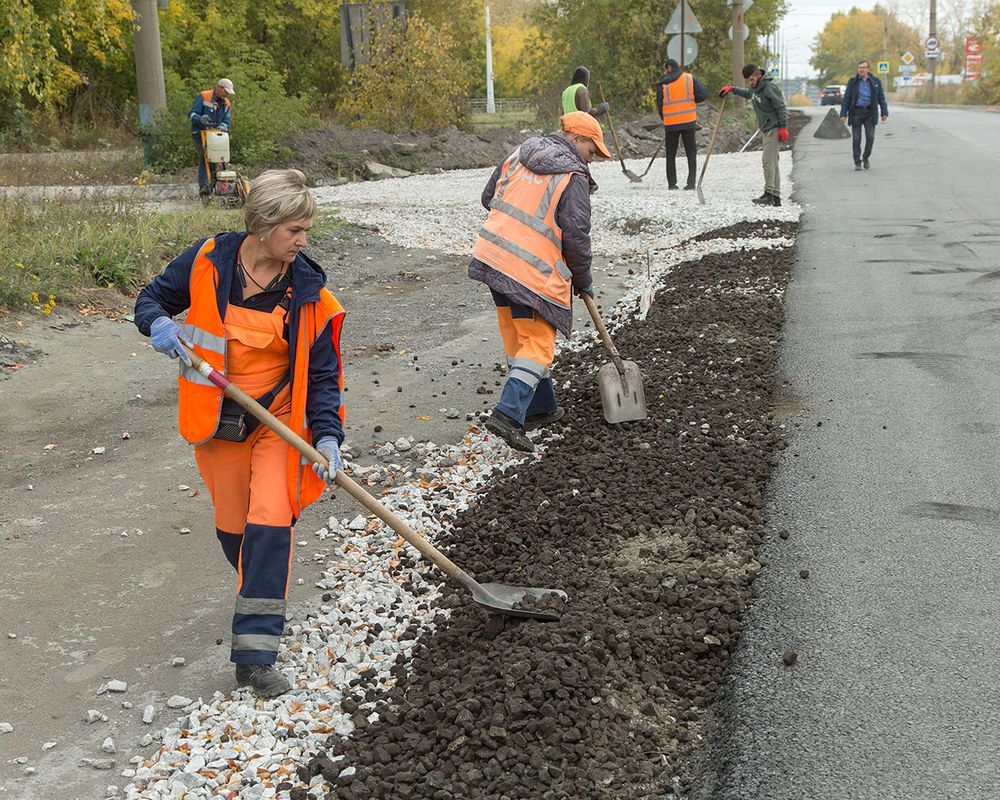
(377, 596)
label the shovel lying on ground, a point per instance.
(628, 173)
(494, 597)
(649, 166)
(711, 144)
(620, 382)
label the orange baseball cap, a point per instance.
(582, 123)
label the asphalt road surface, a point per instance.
(888, 487)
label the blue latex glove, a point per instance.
(330, 448)
(223, 126)
(581, 291)
(165, 336)
(206, 121)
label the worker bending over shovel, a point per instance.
(257, 309)
(532, 251)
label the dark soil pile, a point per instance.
(772, 229)
(336, 152)
(650, 527)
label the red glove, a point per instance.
(782, 134)
(725, 90)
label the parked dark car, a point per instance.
(832, 95)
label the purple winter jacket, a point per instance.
(552, 154)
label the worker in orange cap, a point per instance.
(532, 252)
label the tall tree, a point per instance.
(849, 37)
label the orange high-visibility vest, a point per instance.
(200, 401)
(521, 238)
(208, 98)
(678, 101)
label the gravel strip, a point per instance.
(359, 647)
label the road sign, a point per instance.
(690, 49)
(883, 67)
(972, 45)
(774, 72)
(932, 54)
(907, 57)
(746, 32)
(932, 43)
(691, 24)
(908, 69)
(746, 4)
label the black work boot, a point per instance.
(536, 421)
(766, 199)
(775, 200)
(857, 166)
(866, 164)
(264, 679)
(508, 430)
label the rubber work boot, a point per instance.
(866, 164)
(536, 421)
(689, 187)
(857, 166)
(765, 199)
(508, 430)
(264, 679)
(775, 200)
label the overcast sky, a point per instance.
(806, 19)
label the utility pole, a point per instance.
(933, 32)
(148, 68)
(491, 106)
(737, 19)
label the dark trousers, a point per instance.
(690, 150)
(204, 183)
(863, 118)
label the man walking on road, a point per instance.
(677, 94)
(532, 252)
(864, 94)
(772, 119)
(576, 96)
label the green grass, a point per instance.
(62, 249)
(507, 119)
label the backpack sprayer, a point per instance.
(226, 183)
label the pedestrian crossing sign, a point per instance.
(883, 67)
(775, 72)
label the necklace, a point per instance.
(245, 273)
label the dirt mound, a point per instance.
(651, 527)
(338, 153)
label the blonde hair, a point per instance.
(276, 196)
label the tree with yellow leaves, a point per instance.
(847, 38)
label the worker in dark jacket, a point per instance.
(258, 310)
(677, 94)
(772, 119)
(863, 99)
(209, 111)
(576, 96)
(532, 252)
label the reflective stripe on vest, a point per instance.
(678, 101)
(521, 238)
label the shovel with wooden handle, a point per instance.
(656, 152)
(618, 150)
(620, 382)
(711, 144)
(496, 597)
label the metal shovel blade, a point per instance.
(507, 600)
(622, 395)
(701, 195)
(632, 176)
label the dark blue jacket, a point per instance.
(168, 294)
(851, 97)
(217, 109)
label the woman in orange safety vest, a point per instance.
(257, 310)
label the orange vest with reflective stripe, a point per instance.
(200, 401)
(521, 238)
(678, 101)
(208, 98)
